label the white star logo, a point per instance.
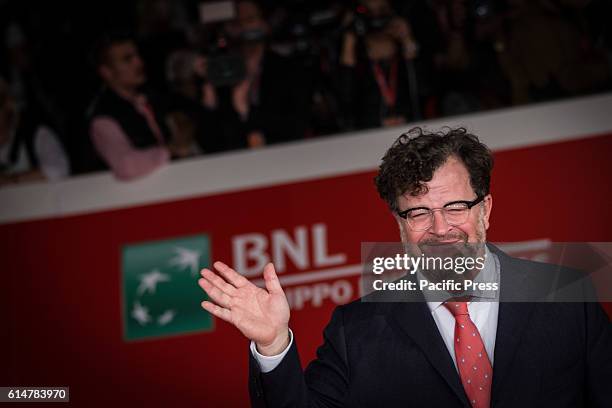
(141, 314)
(166, 317)
(149, 281)
(186, 258)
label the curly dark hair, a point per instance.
(417, 154)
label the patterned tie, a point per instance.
(472, 360)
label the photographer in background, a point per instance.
(128, 126)
(375, 70)
(30, 149)
(546, 54)
(185, 72)
(269, 103)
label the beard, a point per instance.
(438, 247)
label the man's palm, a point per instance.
(262, 315)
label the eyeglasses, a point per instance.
(455, 213)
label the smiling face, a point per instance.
(450, 182)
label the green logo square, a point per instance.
(161, 296)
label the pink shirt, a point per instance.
(125, 161)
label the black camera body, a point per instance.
(225, 69)
(364, 23)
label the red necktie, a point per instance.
(472, 360)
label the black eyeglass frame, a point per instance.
(469, 204)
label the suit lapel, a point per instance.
(414, 319)
(511, 320)
(510, 324)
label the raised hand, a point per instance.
(262, 315)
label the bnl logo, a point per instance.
(161, 296)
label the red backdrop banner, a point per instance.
(61, 292)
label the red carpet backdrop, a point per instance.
(99, 290)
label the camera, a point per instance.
(365, 22)
(225, 66)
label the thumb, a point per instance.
(272, 283)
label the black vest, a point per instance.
(132, 122)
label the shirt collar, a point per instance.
(490, 273)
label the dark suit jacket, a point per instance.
(392, 355)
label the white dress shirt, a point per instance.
(483, 314)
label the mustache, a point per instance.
(452, 235)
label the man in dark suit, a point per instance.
(458, 352)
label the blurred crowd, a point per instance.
(132, 85)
